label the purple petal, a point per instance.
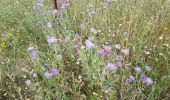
(126, 52)
(77, 46)
(119, 57)
(101, 53)
(138, 70)
(129, 80)
(111, 67)
(54, 72)
(119, 64)
(107, 48)
(89, 44)
(148, 68)
(110, 55)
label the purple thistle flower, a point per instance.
(143, 77)
(93, 30)
(56, 11)
(59, 3)
(54, 72)
(77, 46)
(89, 44)
(119, 57)
(100, 53)
(129, 80)
(148, 68)
(117, 46)
(146, 80)
(76, 37)
(65, 5)
(33, 51)
(110, 55)
(107, 48)
(119, 64)
(149, 81)
(39, 2)
(138, 70)
(126, 52)
(111, 67)
(51, 40)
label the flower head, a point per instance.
(33, 51)
(28, 82)
(146, 80)
(129, 80)
(47, 75)
(89, 44)
(148, 68)
(34, 74)
(54, 72)
(107, 48)
(149, 81)
(138, 70)
(51, 40)
(39, 2)
(119, 57)
(126, 52)
(111, 67)
(119, 64)
(76, 37)
(65, 5)
(143, 77)
(100, 53)
(56, 11)
(77, 46)
(110, 55)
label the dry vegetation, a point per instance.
(85, 50)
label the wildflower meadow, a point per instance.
(84, 49)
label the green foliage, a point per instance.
(142, 26)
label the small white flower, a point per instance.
(34, 74)
(138, 70)
(28, 82)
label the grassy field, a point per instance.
(85, 50)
